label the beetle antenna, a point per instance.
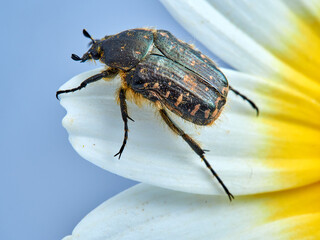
(75, 57)
(86, 34)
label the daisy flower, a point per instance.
(270, 163)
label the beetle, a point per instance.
(155, 65)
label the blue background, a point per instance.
(46, 188)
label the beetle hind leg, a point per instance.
(195, 147)
(125, 117)
(253, 105)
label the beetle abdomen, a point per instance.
(179, 89)
(184, 54)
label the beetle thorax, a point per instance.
(126, 49)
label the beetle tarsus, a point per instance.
(119, 153)
(105, 74)
(67, 91)
(130, 118)
(125, 117)
(195, 147)
(253, 105)
(230, 196)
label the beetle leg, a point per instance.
(125, 117)
(195, 147)
(246, 99)
(105, 74)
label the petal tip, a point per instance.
(67, 238)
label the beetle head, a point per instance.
(93, 53)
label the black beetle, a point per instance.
(155, 65)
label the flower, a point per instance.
(148, 212)
(275, 48)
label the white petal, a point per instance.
(305, 7)
(147, 212)
(154, 155)
(284, 33)
(277, 45)
(221, 36)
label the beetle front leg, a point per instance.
(195, 147)
(111, 72)
(125, 117)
